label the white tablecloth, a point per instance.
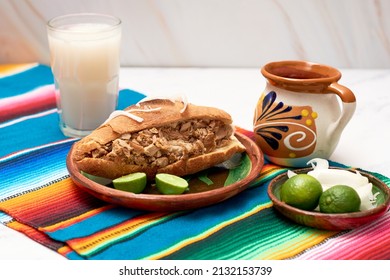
(364, 142)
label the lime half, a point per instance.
(170, 184)
(134, 182)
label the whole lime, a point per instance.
(301, 191)
(340, 199)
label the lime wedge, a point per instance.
(170, 184)
(134, 182)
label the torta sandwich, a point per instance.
(158, 136)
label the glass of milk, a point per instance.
(84, 50)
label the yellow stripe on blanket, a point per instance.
(208, 233)
(296, 245)
(12, 69)
(71, 221)
(93, 243)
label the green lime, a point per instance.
(340, 199)
(170, 184)
(301, 191)
(134, 182)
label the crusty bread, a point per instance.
(168, 113)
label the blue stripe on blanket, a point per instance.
(33, 169)
(26, 81)
(178, 229)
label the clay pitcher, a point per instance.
(302, 112)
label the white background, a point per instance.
(216, 33)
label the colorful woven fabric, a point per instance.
(38, 198)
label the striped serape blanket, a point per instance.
(38, 198)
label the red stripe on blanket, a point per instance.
(37, 235)
(38, 100)
(51, 204)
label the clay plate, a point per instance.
(159, 202)
(333, 222)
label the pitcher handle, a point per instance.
(343, 92)
(348, 104)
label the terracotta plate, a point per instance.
(207, 187)
(331, 221)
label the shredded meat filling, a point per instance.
(161, 146)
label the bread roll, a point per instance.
(164, 137)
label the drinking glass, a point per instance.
(85, 61)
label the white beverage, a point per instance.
(85, 63)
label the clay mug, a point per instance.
(302, 112)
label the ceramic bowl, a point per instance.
(159, 202)
(325, 221)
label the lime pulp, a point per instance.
(170, 184)
(134, 182)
